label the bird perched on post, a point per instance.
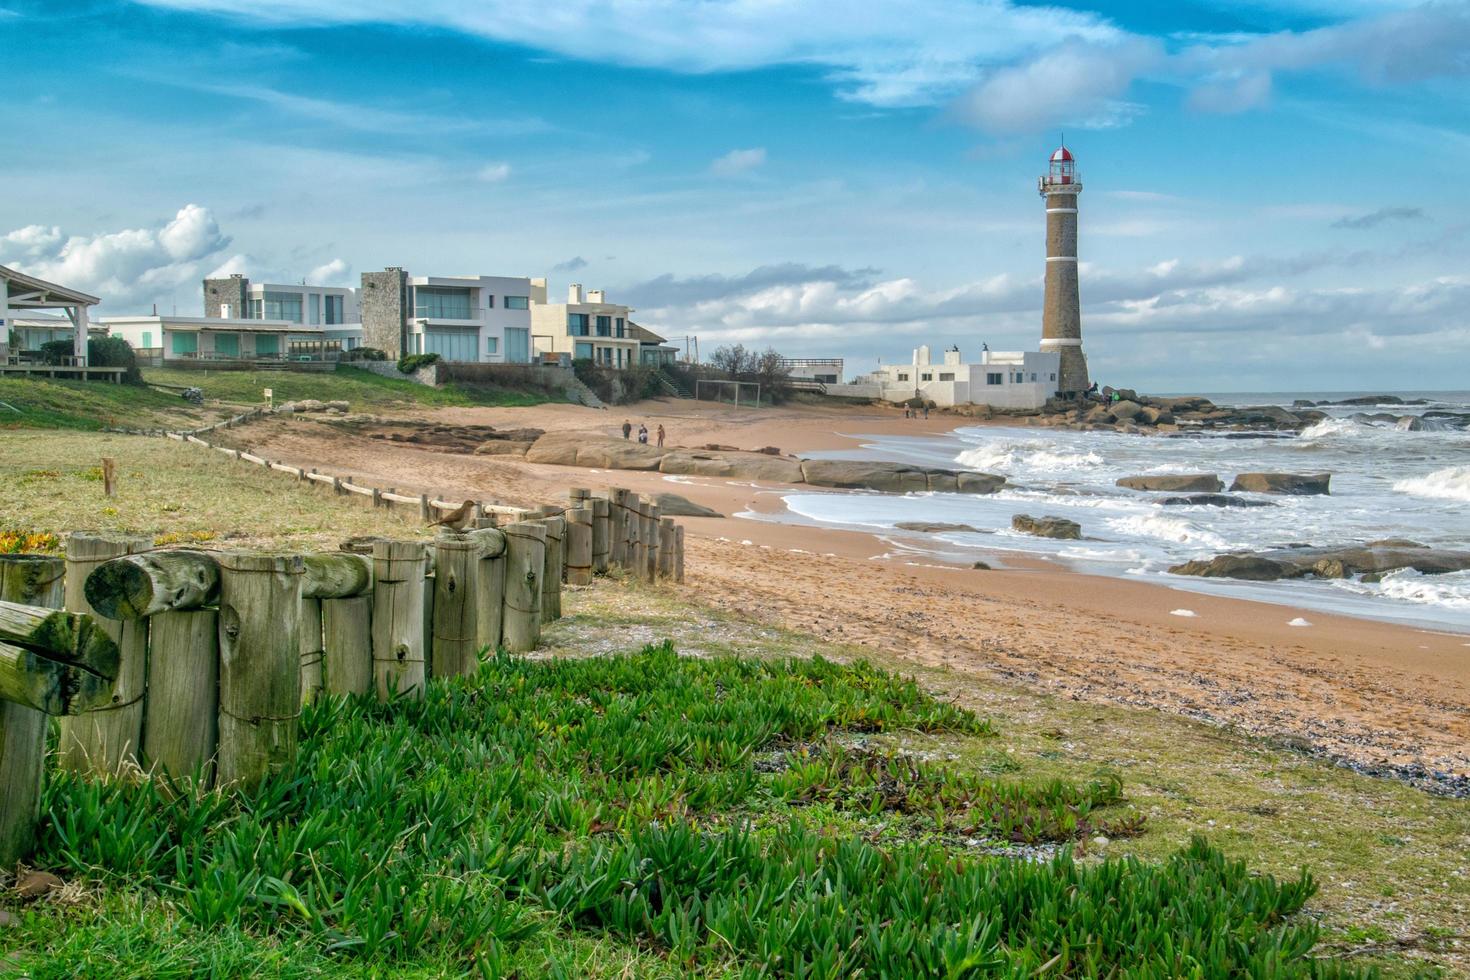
(456, 519)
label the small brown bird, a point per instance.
(457, 518)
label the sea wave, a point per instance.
(1031, 455)
(1450, 591)
(1342, 429)
(1162, 528)
(1450, 483)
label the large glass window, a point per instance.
(184, 343)
(577, 324)
(517, 345)
(492, 345)
(994, 378)
(582, 351)
(441, 303)
(604, 326)
(620, 327)
(283, 306)
(453, 345)
(227, 344)
(267, 345)
(255, 310)
(516, 302)
(334, 310)
(314, 307)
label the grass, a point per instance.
(641, 814)
(41, 403)
(362, 390)
(177, 492)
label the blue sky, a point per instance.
(1274, 192)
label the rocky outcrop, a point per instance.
(497, 447)
(599, 452)
(850, 474)
(735, 465)
(1374, 559)
(1300, 484)
(673, 505)
(1213, 500)
(1046, 527)
(1175, 482)
(936, 527)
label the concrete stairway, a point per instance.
(579, 392)
(671, 384)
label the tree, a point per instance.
(732, 360)
(774, 375)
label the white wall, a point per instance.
(966, 384)
(489, 317)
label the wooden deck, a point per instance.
(113, 374)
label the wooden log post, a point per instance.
(650, 536)
(347, 644)
(336, 575)
(617, 528)
(666, 532)
(579, 546)
(551, 574)
(634, 530)
(489, 588)
(181, 733)
(135, 586)
(426, 513)
(679, 554)
(313, 651)
(525, 562)
(456, 605)
(109, 476)
(601, 541)
(37, 581)
(259, 665)
(398, 617)
(577, 497)
(107, 738)
(428, 612)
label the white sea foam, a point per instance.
(1451, 590)
(1450, 483)
(1175, 529)
(1187, 613)
(1340, 429)
(1299, 621)
(1027, 455)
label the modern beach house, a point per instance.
(587, 327)
(1001, 379)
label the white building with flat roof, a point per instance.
(166, 340)
(478, 319)
(1002, 379)
(587, 327)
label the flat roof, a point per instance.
(232, 324)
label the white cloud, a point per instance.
(334, 273)
(235, 265)
(738, 162)
(494, 173)
(123, 266)
(29, 242)
(1075, 83)
(1232, 91)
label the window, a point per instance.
(147, 338)
(1053, 376)
(452, 345)
(517, 345)
(441, 303)
(1033, 375)
(255, 311)
(927, 376)
(1020, 377)
(334, 310)
(227, 344)
(492, 345)
(489, 301)
(620, 326)
(945, 376)
(314, 306)
(516, 302)
(267, 344)
(604, 326)
(994, 378)
(582, 350)
(903, 376)
(282, 306)
(577, 324)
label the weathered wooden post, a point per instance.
(105, 738)
(666, 532)
(35, 580)
(650, 537)
(398, 617)
(456, 598)
(617, 528)
(313, 652)
(577, 497)
(181, 732)
(426, 513)
(579, 546)
(551, 574)
(525, 562)
(489, 588)
(636, 556)
(109, 476)
(601, 541)
(259, 664)
(135, 586)
(347, 644)
(679, 554)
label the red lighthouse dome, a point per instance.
(1063, 169)
(1061, 154)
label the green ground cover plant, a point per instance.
(640, 815)
(361, 389)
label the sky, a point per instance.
(1274, 193)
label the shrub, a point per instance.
(101, 352)
(412, 362)
(364, 354)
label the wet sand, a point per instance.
(1374, 693)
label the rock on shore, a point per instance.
(1175, 482)
(673, 505)
(1047, 527)
(1212, 500)
(1300, 484)
(1374, 559)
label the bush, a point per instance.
(101, 352)
(412, 362)
(618, 386)
(364, 354)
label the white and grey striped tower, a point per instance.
(1061, 318)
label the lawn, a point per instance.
(42, 403)
(642, 815)
(362, 390)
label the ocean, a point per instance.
(1387, 482)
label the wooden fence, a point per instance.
(195, 664)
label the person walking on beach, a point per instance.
(660, 435)
(643, 433)
(926, 412)
(627, 428)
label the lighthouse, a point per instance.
(1061, 318)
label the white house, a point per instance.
(1002, 379)
(587, 327)
(483, 319)
(167, 340)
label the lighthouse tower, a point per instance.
(1061, 318)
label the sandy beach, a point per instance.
(1375, 693)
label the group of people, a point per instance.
(642, 432)
(909, 412)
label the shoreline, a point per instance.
(1368, 692)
